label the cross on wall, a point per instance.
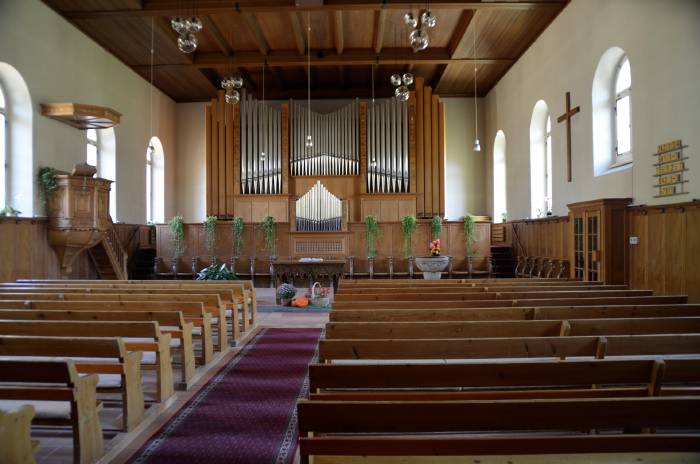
(567, 117)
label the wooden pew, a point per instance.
(532, 300)
(16, 445)
(210, 302)
(533, 419)
(92, 356)
(504, 380)
(53, 382)
(247, 285)
(515, 314)
(350, 283)
(494, 329)
(192, 312)
(170, 322)
(431, 290)
(520, 347)
(137, 336)
(359, 298)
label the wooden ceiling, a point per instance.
(348, 39)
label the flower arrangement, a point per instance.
(435, 247)
(286, 291)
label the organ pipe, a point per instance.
(387, 146)
(319, 210)
(261, 132)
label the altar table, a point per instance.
(288, 270)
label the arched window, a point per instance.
(17, 171)
(92, 147)
(499, 177)
(623, 123)
(3, 148)
(612, 113)
(540, 160)
(155, 182)
(102, 153)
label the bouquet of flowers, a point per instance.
(435, 247)
(286, 292)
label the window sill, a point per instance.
(621, 164)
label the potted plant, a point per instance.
(504, 216)
(371, 235)
(9, 211)
(469, 240)
(47, 181)
(286, 293)
(216, 272)
(177, 236)
(436, 227)
(210, 237)
(408, 228)
(237, 228)
(269, 228)
(433, 265)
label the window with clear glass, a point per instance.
(623, 120)
(548, 165)
(3, 149)
(155, 182)
(149, 183)
(91, 147)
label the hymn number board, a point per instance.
(670, 168)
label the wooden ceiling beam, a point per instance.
(256, 32)
(163, 25)
(298, 30)
(211, 28)
(460, 33)
(206, 7)
(338, 32)
(379, 24)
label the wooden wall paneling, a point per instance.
(441, 155)
(363, 146)
(692, 253)
(229, 178)
(278, 209)
(208, 157)
(638, 253)
(428, 150)
(221, 114)
(655, 252)
(412, 143)
(389, 211)
(259, 209)
(244, 209)
(371, 208)
(420, 149)
(435, 150)
(285, 148)
(674, 236)
(237, 153)
(214, 158)
(406, 208)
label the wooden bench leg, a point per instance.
(15, 435)
(207, 340)
(88, 444)
(246, 315)
(164, 366)
(187, 348)
(132, 395)
(236, 323)
(253, 308)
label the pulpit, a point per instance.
(78, 214)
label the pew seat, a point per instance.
(60, 396)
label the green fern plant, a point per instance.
(409, 224)
(47, 181)
(210, 235)
(177, 235)
(269, 228)
(371, 235)
(237, 228)
(469, 233)
(436, 227)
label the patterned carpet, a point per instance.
(247, 413)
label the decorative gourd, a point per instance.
(302, 302)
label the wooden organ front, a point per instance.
(384, 158)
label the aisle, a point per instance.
(246, 413)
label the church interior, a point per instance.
(349, 231)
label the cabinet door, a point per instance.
(579, 264)
(592, 245)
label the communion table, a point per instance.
(311, 271)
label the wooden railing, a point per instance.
(116, 253)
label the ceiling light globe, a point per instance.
(232, 97)
(428, 19)
(237, 81)
(419, 40)
(194, 24)
(395, 80)
(410, 20)
(178, 24)
(407, 79)
(187, 43)
(401, 93)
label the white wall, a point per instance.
(61, 64)
(661, 39)
(464, 169)
(191, 162)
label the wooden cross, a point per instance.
(567, 117)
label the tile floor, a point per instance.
(56, 446)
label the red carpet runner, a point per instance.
(247, 413)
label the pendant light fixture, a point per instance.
(232, 83)
(187, 29)
(400, 81)
(309, 142)
(477, 144)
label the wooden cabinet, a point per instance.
(599, 237)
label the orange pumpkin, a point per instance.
(302, 302)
